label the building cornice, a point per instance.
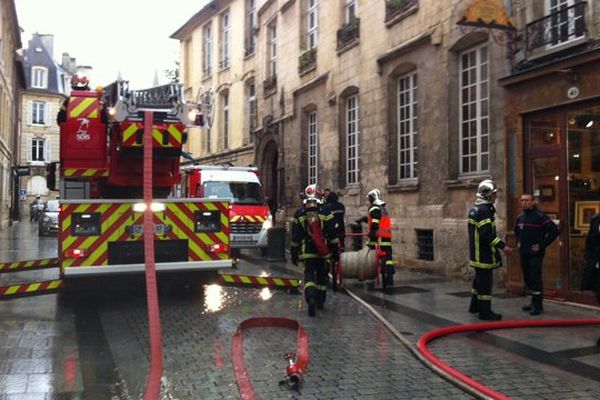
(311, 84)
(405, 47)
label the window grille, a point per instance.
(425, 244)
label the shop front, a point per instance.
(553, 140)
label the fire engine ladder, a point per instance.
(29, 289)
(165, 101)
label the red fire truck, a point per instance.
(249, 213)
(101, 187)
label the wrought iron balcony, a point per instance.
(557, 28)
(307, 60)
(394, 8)
(348, 33)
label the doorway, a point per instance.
(562, 169)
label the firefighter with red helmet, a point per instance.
(380, 232)
(314, 243)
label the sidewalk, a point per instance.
(557, 362)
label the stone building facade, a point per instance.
(47, 85)
(357, 94)
(217, 64)
(394, 96)
(552, 120)
(11, 81)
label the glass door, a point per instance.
(583, 134)
(544, 161)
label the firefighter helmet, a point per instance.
(313, 193)
(486, 189)
(79, 83)
(374, 197)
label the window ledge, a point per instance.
(409, 186)
(464, 183)
(308, 70)
(397, 18)
(348, 46)
(352, 190)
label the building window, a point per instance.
(313, 24)
(225, 99)
(38, 150)
(352, 144)
(564, 23)
(313, 141)
(225, 40)
(473, 113)
(252, 110)
(38, 113)
(207, 50)
(407, 127)
(350, 10)
(39, 78)
(272, 70)
(425, 244)
(250, 26)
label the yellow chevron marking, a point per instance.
(13, 289)
(222, 237)
(90, 171)
(175, 133)
(157, 135)
(278, 282)
(94, 114)
(228, 278)
(129, 132)
(103, 247)
(32, 287)
(54, 284)
(235, 218)
(75, 112)
(245, 279)
(262, 281)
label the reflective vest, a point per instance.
(379, 215)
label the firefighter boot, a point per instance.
(320, 299)
(486, 313)
(536, 305)
(310, 295)
(474, 306)
(528, 307)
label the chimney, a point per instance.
(48, 42)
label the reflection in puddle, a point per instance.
(213, 298)
(266, 293)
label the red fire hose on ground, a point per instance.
(297, 362)
(477, 386)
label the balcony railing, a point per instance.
(394, 8)
(557, 28)
(307, 60)
(348, 33)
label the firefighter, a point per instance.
(534, 231)
(380, 232)
(314, 243)
(333, 205)
(484, 250)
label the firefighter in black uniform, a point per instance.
(314, 242)
(484, 250)
(380, 231)
(534, 231)
(334, 206)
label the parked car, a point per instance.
(48, 222)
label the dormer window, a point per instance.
(39, 78)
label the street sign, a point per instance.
(22, 194)
(21, 171)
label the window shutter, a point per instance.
(29, 144)
(47, 151)
(29, 112)
(47, 114)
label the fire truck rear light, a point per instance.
(75, 253)
(218, 248)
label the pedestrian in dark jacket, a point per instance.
(591, 269)
(484, 250)
(534, 231)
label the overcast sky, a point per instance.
(130, 36)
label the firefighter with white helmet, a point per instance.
(380, 232)
(314, 243)
(484, 249)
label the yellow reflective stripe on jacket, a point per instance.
(483, 265)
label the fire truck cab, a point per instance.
(249, 214)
